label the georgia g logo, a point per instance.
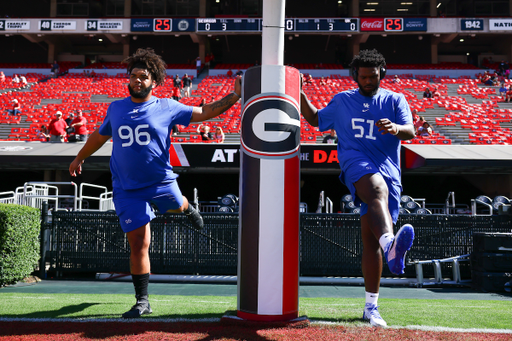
(271, 126)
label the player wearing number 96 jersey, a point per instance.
(370, 123)
(140, 127)
(141, 138)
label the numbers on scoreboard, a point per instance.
(46, 25)
(394, 24)
(473, 24)
(289, 24)
(92, 25)
(162, 25)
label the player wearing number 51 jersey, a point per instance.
(370, 123)
(140, 127)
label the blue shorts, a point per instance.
(134, 207)
(356, 171)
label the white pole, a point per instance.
(272, 51)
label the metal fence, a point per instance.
(330, 244)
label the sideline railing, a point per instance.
(330, 244)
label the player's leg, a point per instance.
(169, 199)
(139, 240)
(135, 213)
(372, 190)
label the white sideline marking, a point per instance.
(362, 324)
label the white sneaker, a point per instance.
(371, 313)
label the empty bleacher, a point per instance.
(465, 113)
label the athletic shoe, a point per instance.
(371, 313)
(195, 218)
(140, 308)
(397, 249)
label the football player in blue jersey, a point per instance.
(370, 123)
(140, 128)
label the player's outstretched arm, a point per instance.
(307, 109)
(216, 108)
(93, 143)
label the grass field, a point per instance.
(466, 314)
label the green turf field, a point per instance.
(487, 314)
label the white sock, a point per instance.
(372, 297)
(385, 239)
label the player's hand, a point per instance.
(238, 86)
(387, 127)
(76, 167)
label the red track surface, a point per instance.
(51, 331)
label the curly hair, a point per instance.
(147, 59)
(368, 58)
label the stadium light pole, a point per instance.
(268, 256)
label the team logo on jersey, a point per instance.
(366, 107)
(271, 126)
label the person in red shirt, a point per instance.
(229, 73)
(176, 94)
(57, 128)
(80, 125)
(16, 108)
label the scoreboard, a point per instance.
(322, 25)
(291, 25)
(228, 25)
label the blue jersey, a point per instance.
(141, 140)
(353, 116)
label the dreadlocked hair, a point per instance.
(368, 58)
(148, 59)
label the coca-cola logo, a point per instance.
(372, 25)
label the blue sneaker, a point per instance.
(395, 254)
(371, 313)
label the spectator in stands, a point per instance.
(502, 67)
(2, 76)
(16, 108)
(79, 124)
(219, 135)
(415, 116)
(503, 90)
(23, 81)
(427, 93)
(207, 60)
(15, 79)
(397, 80)
(198, 65)
(55, 69)
(424, 130)
(176, 94)
(436, 92)
(177, 82)
(322, 81)
(70, 118)
(57, 128)
(486, 78)
(509, 94)
(229, 73)
(370, 165)
(42, 134)
(309, 80)
(419, 123)
(205, 133)
(140, 126)
(187, 85)
(331, 138)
